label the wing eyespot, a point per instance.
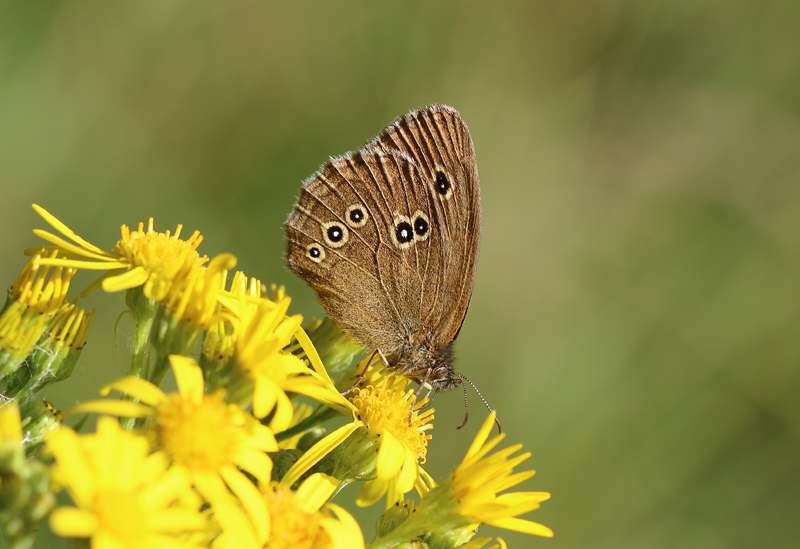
(335, 234)
(422, 225)
(356, 216)
(315, 252)
(442, 183)
(402, 232)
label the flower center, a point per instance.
(121, 516)
(166, 258)
(203, 436)
(292, 527)
(384, 408)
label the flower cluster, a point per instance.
(241, 455)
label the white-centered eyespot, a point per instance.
(402, 232)
(422, 225)
(356, 216)
(315, 252)
(335, 234)
(442, 184)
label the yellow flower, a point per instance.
(211, 439)
(37, 303)
(378, 443)
(384, 406)
(301, 412)
(156, 261)
(33, 301)
(194, 300)
(36, 291)
(125, 497)
(10, 426)
(475, 484)
(20, 329)
(302, 519)
(254, 336)
(470, 496)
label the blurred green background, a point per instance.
(635, 314)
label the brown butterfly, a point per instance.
(388, 237)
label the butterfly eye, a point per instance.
(421, 225)
(356, 216)
(335, 234)
(315, 252)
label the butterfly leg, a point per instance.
(423, 384)
(383, 358)
(363, 374)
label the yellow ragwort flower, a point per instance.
(210, 438)
(36, 291)
(37, 297)
(471, 496)
(125, 496)
(10, 426)
(258, 332)
(303, 520)
(472, 490)
(156, 261)
(384, 405)
(381, 412)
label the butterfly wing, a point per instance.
(391, 256)
(438, 139)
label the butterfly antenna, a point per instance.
(463, 379)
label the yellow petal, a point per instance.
(371, 492)
(63, 229)
(177, 520)
(170, 486)
(283, 413)
(189, 378)
(263, 439)
(345, 533)
(72, 464)
(72, 522)
(86, 265)
(222, 262)
(517, 498)
(482, 435)
(315, 491)
(391, 456)
(322, 448)
(326, 395)
(252, 500)
(425, 482)
(408, 473)
(313, 356)
(10, 424)
(264, 396)
(120, 408)
(227, 510)
(524, 526)
(136, 387)
(127, 280)
(257, 464)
